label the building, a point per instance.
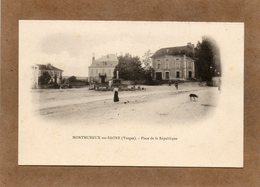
(39, 69)
(101, 70)
(174, 63)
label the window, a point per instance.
(167, 65)
(51, 73)
(189, 64)
(178, 65)
(158, 66)
(177, 74)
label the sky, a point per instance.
(70, 45)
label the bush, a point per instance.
(44, 78)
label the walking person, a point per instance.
(116, 98)
(170, 82)
(219, 83)
(176, 85)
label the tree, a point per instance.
(207, 59)
(146, 60)
(148, 74)
(129, 67)
(44, 78)
(147, 66)
(72, 79)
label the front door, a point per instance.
(103, 78)
(158, 76)
(167, 75)
(190, 74)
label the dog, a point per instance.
(193, 97)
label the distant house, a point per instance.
(39, 69)
(101, 69)
(174, 63)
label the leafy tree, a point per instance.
(146, 60)
(148, 74)
(72, 79)
(44, 78)
(147, 66)
(130, 68)
(207, 59)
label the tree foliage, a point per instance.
(44, 78)
(72, 79)
(207, 59)
(130, 68)
(146, 60)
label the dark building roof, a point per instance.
(188, 50)
(48, 67)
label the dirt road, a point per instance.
(157, 104)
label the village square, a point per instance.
(178, 83)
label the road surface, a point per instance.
(156, 105)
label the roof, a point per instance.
(106, 61)
(107, 58)
(48, 67)
(179, 50)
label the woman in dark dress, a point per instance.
(176, 85)
(116, 98)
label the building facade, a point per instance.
(174, 63)
(39, 69)
(101, 70)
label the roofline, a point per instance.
(57, 69)
(183, 46)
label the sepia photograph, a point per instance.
(131, 93)
(111, 78)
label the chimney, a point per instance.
(93, 57)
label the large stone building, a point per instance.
(101, 70)
(174, 63)
(39, 69)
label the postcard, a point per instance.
(131, 93)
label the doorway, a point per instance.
(103, 78)
(158, 76)
(177, 74)
(190, 74)
(167, 75)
